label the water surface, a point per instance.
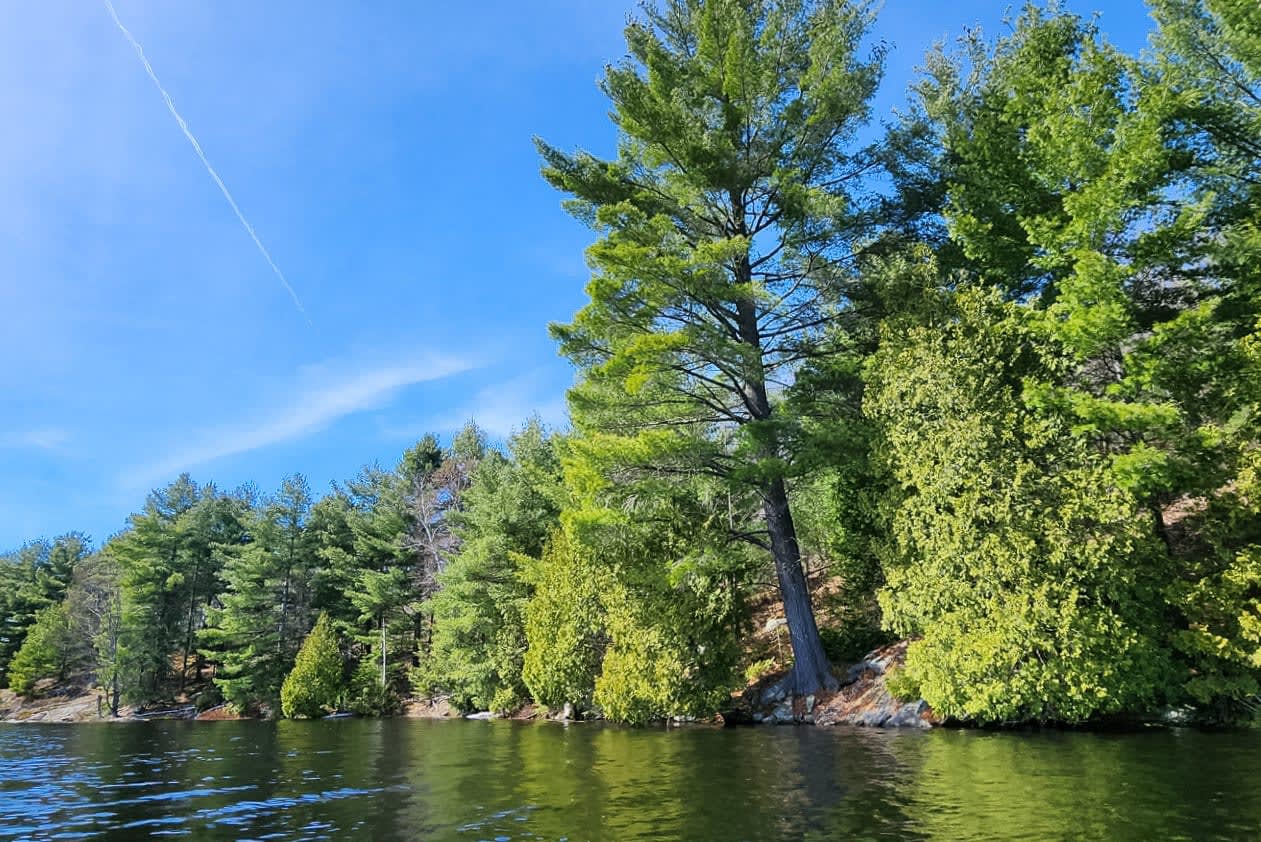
(412, 779)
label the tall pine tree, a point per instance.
(728, 224)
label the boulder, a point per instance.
(865, 700)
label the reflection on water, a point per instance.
(401, 779)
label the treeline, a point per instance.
(215, 592)
(991, 381)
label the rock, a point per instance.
(1177, 716)
(783, 712)
(773, 694)
(810, 704)
(862, 668)
(482, 714)
(773, 624)
(431, 708)
(911, 715)
(865, 700)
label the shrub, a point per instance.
(315, 684)
(45, 652)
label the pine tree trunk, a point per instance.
(188, 636)
(811, 670)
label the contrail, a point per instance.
(223, 188)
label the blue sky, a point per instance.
(383, 154)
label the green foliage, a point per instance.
(169, 564)
(265, 609)
(850, 642)
(46, 651)
(670, 654)
(1219, 594)
(315, 685)
(725, 224)
(901, 685)
(33, 578)
(839, 512)
(369, 695)
(564, 625)
(478, 642)
(1019, 397)
(1030, 576)
(636, 611)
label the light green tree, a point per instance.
(1023, 571)
(728, 223)
(46, 652)
(316, 684)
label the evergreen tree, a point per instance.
(265, 610)
(728, 227)
(637, 612)
(1112, 201)
(31, 579)
(1205, 360)
(315, 685)
(1019, 565)
(149, 559)
(564, 625)
(47, 650)
(169, 562)
(382, 590)
(509, 508)
(335, 566)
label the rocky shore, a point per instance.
(863, 699)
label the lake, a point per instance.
(417, 779)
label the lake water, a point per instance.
(415, 779)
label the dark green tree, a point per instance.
(169, 562)
(149, 554)
(510, 506)
(31, 579)
(265, 610)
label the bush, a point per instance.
(757, 670)
(315, 684)
(670, 651)
(45, 652)
(368, 697)
(1030, 575)
(564, 626)
(901, 686)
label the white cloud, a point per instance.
(328, 397)
(499, 409)
(46, 438)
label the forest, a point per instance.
(985, 375)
